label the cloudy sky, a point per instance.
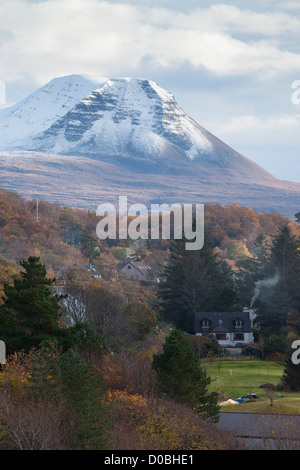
(230, 64)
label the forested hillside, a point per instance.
(64, 236)
(97, 358)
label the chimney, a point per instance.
(250, 312)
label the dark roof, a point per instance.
(93, 271)
(221, 329)
(222, 322)
(141, 267)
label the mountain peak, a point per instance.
(129, 121)
(41, 109)
(128, 117)
(138, 85)
(75, 141)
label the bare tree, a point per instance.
(75, 305)
(27, 426)
(103, 311)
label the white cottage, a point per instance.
(228, 328)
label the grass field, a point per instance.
(235, 378)
(290, 405)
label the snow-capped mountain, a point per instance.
(126, 117)
(80, 143)
(40, 110)
(128, 121)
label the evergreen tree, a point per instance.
(283, 296)
(293, 322)
(194, 281)
(88, 244)
(76, 388)
(83, 391)
(30, 313)
(251, 269)
(181, 376)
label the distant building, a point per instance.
(228, 328)
(61, 282)
(137, 271)
(92, 270)
(60, 279)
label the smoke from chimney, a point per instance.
(264, 284)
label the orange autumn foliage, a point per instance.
(158, 424)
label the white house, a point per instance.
(228, 328)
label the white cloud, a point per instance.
(290, 5)
(252, 129)
(58, 37)
(272, 142)
(42, 40)
(230, 19)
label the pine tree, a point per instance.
(284, 296)
(82, 388)
(73, 386)
(88, 244)
(181, 376)
(30, 313)
(194, 281)
(251, 269)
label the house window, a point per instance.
(239, 337)
(205, 323)
(128, 267)
(220, 337)
(238, 323)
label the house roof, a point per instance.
(221, 329)
(91, 269)
(223, 322)
(141, 267)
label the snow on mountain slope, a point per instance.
(124, 117)
(40, 110)
(130, 122)
(135, 123)
(78, 143)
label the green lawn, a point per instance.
(235, 378)
(290, 405)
